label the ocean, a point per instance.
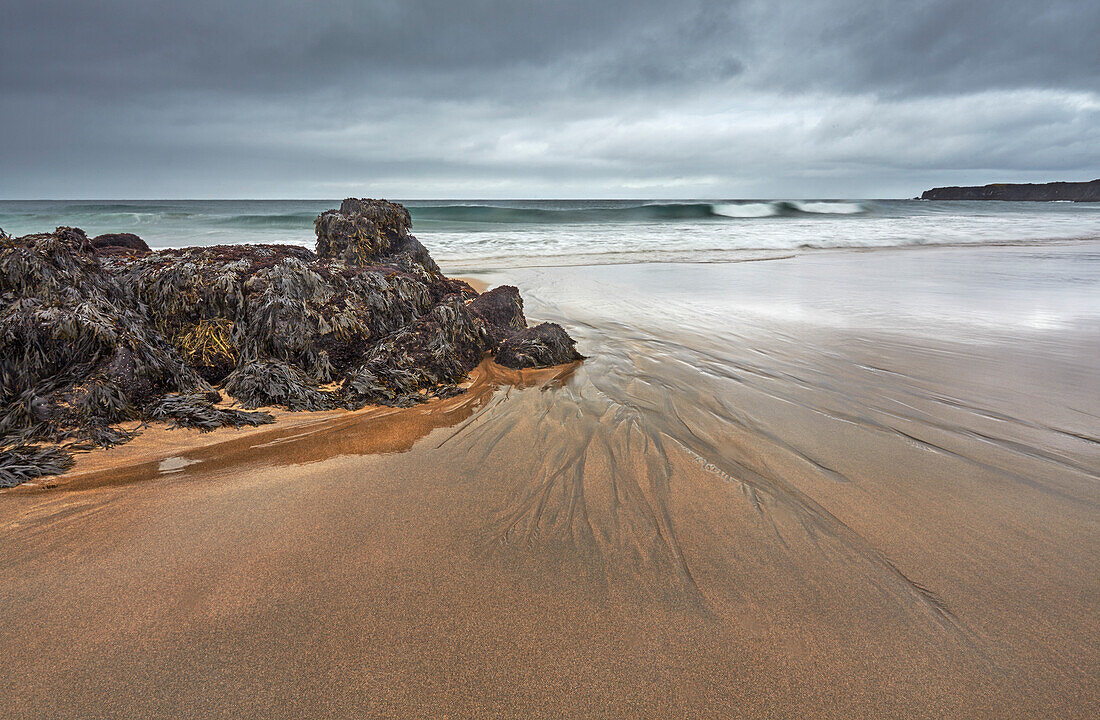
(563, 232)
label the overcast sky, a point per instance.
(565, 98)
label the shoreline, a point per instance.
(733, 256)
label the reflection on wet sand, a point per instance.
(705, 518)
(312, 438)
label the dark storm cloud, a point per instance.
(424, 97)
(936, 46)
(279, 46)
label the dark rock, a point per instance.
(74, 237)
(77, 352)
(439, 349)
(1044, 192)
(541, 346)
(274, 383)
(408, 254)
(353, 239)
(365, 232)
(454, 286)
(391, 219)
(93, 332)
(502, 310)
(111, 243)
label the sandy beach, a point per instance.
(838, 484)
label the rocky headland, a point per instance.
(1034, 192)
(99, 331)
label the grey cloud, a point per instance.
(266, 46)
(115, 97)
(930, 47)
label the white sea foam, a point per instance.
(746, 210)
(830, 208)
(787, 207)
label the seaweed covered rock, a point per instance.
(391, 219)
(78, 354)
(276, 383)
(76, 351)
(95, 332)
(502, 310)
(72, 237)
(541, 346)
(514, 344)
(353, 239)
(223, 306)
(366, 232)
(437, 350)
(113, 243)
(209, 347)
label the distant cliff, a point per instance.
(1044, 192)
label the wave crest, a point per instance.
(747, 210)
(632, 213)
(830, 208)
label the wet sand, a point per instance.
(836, 485)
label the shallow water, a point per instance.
(851, 483)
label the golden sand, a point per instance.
(849, 527)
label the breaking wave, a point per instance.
(651, 212)
(223, 216)
(780, 208)
(548, 231)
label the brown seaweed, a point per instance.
(197, 411)
(541, 346)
